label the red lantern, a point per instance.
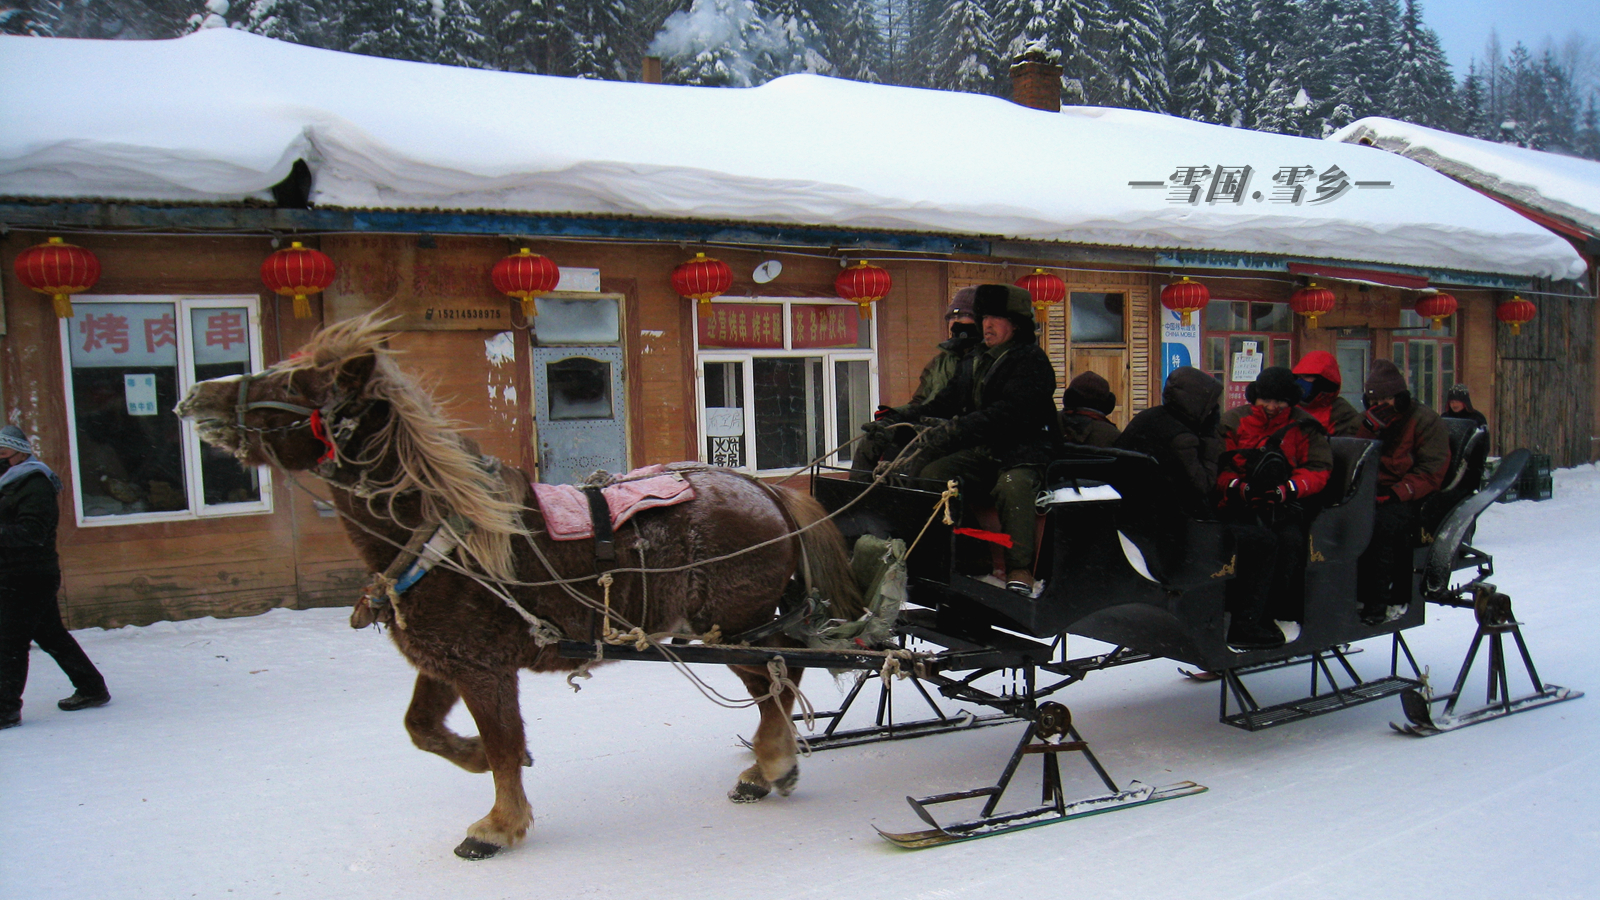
(1439, 307)
(1312, 301)
(297, 271)
(525, 275)
(865, 284)
(1185, 297)
(1046, 289)
(59, 269)
(1515, 312)
(702, 279)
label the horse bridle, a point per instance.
(316, 419)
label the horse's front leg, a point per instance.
(431, 701)
(774, 744)
(492, 700)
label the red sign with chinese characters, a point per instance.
(822, 325)
(743, 326)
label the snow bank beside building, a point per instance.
(220, 116)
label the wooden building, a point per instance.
(616, 370)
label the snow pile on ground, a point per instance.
(265, 757)
(1564, 185)
(222, 115)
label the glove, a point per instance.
(883, 412)
(937, 440)
(1385, 495)
(1283, 493)
(875, 429)
(1236, 490)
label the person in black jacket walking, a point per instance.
(30, 576)
(1001, 428)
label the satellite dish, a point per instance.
(767, 271)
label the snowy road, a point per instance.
(265, 757)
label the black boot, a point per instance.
(80, 700)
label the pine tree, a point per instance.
(1589, 133)
(1422, 88)
(1271, 64)
(595, 35)
(855, 45)
(1022, 25)
(314, 23)
(1080, 33)
(520, 36)
(1470, 113)
(793, 39)
(713, 44)
(964, 54)
(1203, 64)
(1134, 57)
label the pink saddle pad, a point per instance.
(566, 509)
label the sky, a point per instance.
(1463, 25)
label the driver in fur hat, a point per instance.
(999, 429)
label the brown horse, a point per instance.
(400, 472)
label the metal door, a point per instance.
(1355, 358)
(580, 411)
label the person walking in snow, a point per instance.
(880, 441)
(30, 576)
(1086, 406)
(1413, 456)
(1275, 456)
(1318, 374)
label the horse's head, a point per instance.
(292, 414)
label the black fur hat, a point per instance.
(1091, 391)
(1274, 383)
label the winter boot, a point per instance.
(80, 700)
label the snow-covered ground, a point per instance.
(265, 757)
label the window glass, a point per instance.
(129, 361)
(580, 388)
(724, 414)
(588, 320)
(222, 348)
(789, 410)
(854, 401)
(1280, 353)
(1410, 320)
(1096, 318)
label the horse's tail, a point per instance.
(825, 554)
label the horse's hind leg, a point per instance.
(431, 701)
(774, 744)
(492, 700)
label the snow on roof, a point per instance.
(1564, 186)
(221, 115)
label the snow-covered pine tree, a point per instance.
(1203, 63)
(314, 23)
(1423, 89)
(794, 40)
(519, 35)
(1135, 56)
(964, 56)
(125, 19)
(1081, 36)
(442, 31)
(1021, 25)
(1589, 132)
(594, 35)
(1470, 112)
(855, 44)
(1377, 64)
(711, 44)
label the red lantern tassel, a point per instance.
(302, 306)
(63, 305)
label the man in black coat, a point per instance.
(30, 576)
(1181, 434)
(1001, 428)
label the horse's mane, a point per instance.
(430, 455)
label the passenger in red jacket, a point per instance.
(1414, 456)
(1318, 374)
(1276, 456)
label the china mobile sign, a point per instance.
(1293, 185)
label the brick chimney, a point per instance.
(1036, 82)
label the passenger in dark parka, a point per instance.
(1181, 434)
(1086, 406)
(1001, 428)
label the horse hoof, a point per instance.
(748, 792)
(785, 784)
(472, 848)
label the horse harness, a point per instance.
(328, 423)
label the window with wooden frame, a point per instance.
(782, 382)
(1427, 356)
(127, 361)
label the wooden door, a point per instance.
(1110, 363)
